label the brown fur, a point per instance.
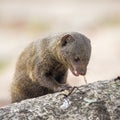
(42, 67)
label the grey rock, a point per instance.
(94, 101)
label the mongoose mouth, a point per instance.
(77, 72)
(74, 72)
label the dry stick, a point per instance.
(85, 79)
(75, 87)
(70, 92)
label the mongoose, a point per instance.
(43, 65)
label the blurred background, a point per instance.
(22, 21)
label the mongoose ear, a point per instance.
(66, 39)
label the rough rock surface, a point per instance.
(95, 101)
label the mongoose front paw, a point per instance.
(65, 87)
(62, 88)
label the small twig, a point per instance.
(73, 88)
(70, 92)
(85, 79)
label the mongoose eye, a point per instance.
(76, 59)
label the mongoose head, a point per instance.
(75, 52)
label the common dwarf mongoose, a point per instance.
(43, 65)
